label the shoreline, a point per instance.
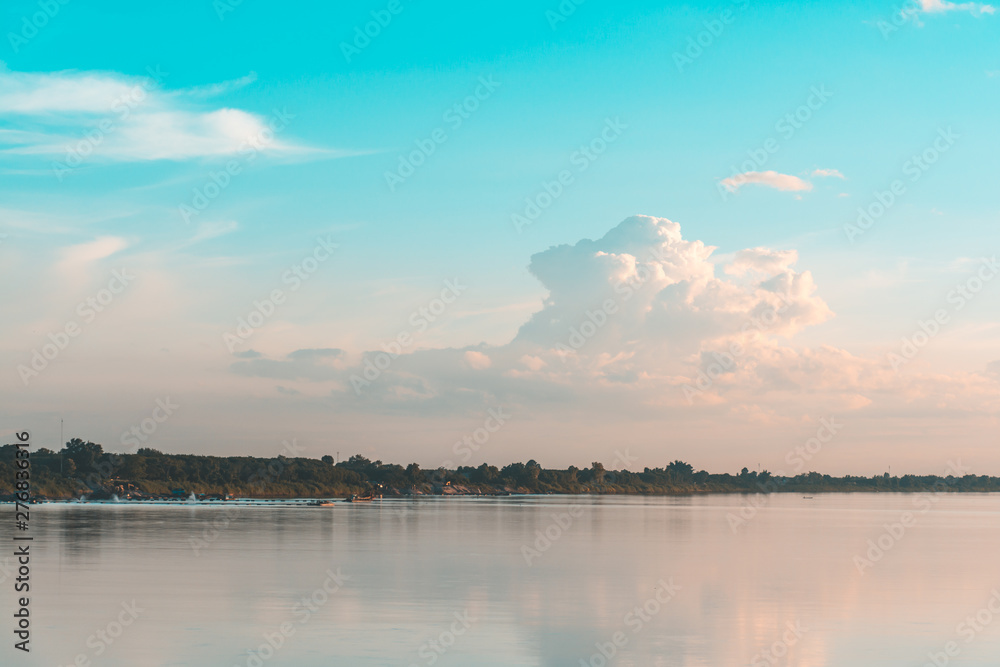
(325, 501)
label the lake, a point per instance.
(836, 580)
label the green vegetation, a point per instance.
(84, 468)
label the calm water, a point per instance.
(447, 582)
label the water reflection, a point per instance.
(545, 580)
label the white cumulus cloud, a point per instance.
(638, 322)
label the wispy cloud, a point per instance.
(112, 117)
(769, 179)
(220, 88)
(827, 173)
(91, 251)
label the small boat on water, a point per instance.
(366, 498)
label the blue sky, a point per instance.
(894, 78)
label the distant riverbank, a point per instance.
(85, 470)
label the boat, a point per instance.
(367, 498)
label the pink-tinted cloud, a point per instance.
(769, 179)
(941, 6)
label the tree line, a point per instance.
(84, 468)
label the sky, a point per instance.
(739, 234)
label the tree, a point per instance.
(597, 471)
(485, 474)
(514, 472)
(358, 462)
(414, 474)
(83, 454)
(327, 460)
(134, 467)
(680, 470)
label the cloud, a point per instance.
(27, 93)
(106, 116)
(477, 360)
(762, 260)
(827, 173)
(638, 323)
(308, 364)
(770, 179)
(222, 87)
(91, 251)
(942, 6)
(211, 230)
